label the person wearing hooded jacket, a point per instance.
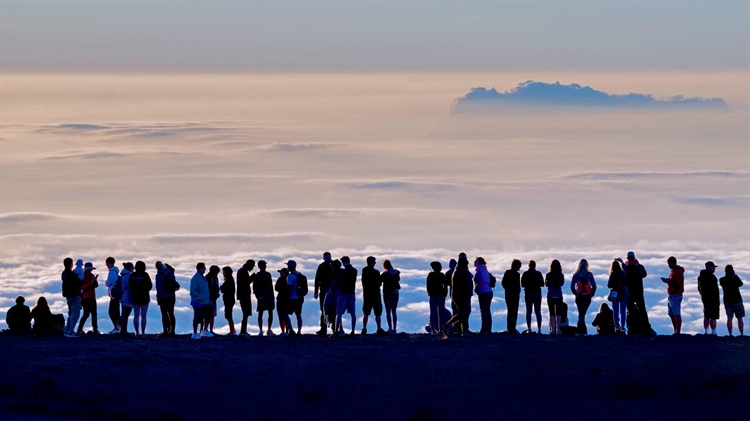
(125, 301)
(114, 304)
(583, 286)
(391, 285)
(675, 288)
(484, 293)
(708, 287)
(166, 285)
(79, 269)
(200, 300)
(512, 285)
(88, 299)
(140, 286)
(461, 292)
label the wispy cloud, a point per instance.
(403, 185)
(298, 146)
(333, 212)
(646, 175)
(714, 201)
(531, 93)
(137, 130)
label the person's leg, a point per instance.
(511, 302)
(270, 319)
(387, 302)
(164, 317)
(74, 312)
(245, 315)
(552, 313)
(86, 313)
(538, 312)
(441, 310)
(583, 304)
(616, 311)
(114, 313)
(433, 315)
(144, 313)
(299, 322)
(465, 313)
(322, 303)
(529, 308)
(94, 316)
(741, 326)
(124, 319)
(484, 310)
(395, 317)
(136, 318)
(170, 311)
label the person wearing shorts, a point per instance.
(675, 288)
(347, 299)
(263, 289)
(730, 284)
(371, 300)
(200, 301)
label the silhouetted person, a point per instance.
(140, 286)
(295, 298)
(371, 300)
(113, 274)
(708, 287)
(323, 278)
(200, 301)
(619, 292)
(19, 317)
(554, 281)
(512, 285)
(347, 297)
(391, 279)
(166, 286)
(484, 293)
(583, 286)
(604, 321)
(675, 288)
(125, 300)
(43, 318)
(532, 282)
(733, 305)
(227, 290)
(88, 299)
(462, 290)
(282, 302)
(263, 289)
(449, 279)
(212, 279)
(244, 294)
(637, 313)
(332, 297)
(79, 269)
(71, 290)
(437, 290)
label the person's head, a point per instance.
(214, 270)
(68, 263)
(345, 260)
(479, 261)
(249, 265)
(79, 263)
(532, 265)
(159, 265)
(262, 265)
(140, 266)
(729, 270)
(336, 264)
(631, 256)
(452, 264)
(603, 307)
(292, 265)
(327, 256)
(20, 300)
(371, 261)
(672, 262)
(387, 265)
(462, 255)
(88, 266)
(710, 266)
(227, 272)
(283, 272)
(41, 302)
(436, 266)
(516, 264)
(110, 262)
(200, 268)
(555, 266)
(128, 266)
(615, 267)
(583, 266)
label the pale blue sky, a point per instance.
(373, 36)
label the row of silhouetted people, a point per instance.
(335, 283)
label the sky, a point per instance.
(189, 131)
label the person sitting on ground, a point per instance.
(484, 293)
(297, 288)
(554, 281)
(71, 290)
(88, 299)
(200, 301)
(437, 290)
(166, 286)
(512, 285)
(391, 280)
(583, 286)
(282, 302)
(244, 294)
(675, 288)
(140, 287)
(43, 318)
(532, 282)
(708, 287)
(323, 278)
(619, 294)
(604, 322)
(18, 318)
(212, 279)
(730, 284)
(125, 299)
(347, 297)
(227, 290)
(263, 289)
(565, 327)
(371, 299)
(113, 274)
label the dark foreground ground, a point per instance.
(403, 377)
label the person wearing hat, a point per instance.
(323, 278)
(282, 302)
(484, 293)
(88, 299)
(18, 318)
(244, 294)
(263, 290)
(708, 287)
(295, 301)
(731, 284)
(371, 299)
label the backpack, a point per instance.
(116, 291)
(493, 281)
(584, 288)
(170, 283)
(301, 289)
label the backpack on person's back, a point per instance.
(301, 289)
(584, 287)
(116, 291)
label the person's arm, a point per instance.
(643, 271)
(111, 278)
(573, 284)
(596, 320)
(593, 284)
(318, 275)
(739, 281)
